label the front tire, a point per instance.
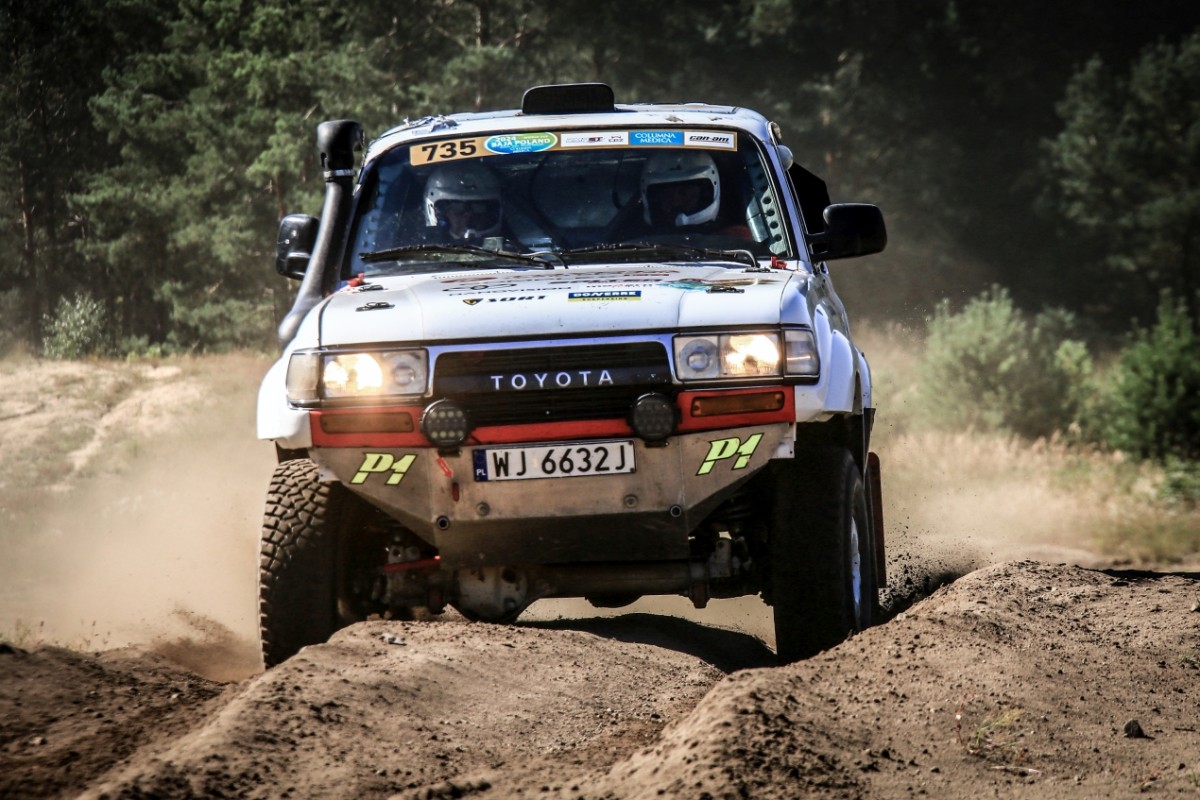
(822, 573)
(307, 531)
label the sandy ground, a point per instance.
(1040, 672)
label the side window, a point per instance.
(813, 196)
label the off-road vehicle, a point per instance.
(574, 349)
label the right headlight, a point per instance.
(316, 377)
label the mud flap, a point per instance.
(875, 483)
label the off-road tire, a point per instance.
(301, 574)
(822, 572)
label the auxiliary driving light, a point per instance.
(445, 424)
(653, 417)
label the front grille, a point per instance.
(511, 387)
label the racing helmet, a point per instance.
(680, 187)
(464, 198)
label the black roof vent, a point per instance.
(568, 98)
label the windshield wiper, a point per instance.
(664, 249)
(398, 253)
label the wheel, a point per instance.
(313, 544)
(821, 559)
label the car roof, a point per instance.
(633, 115)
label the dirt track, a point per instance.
(1018, 675)
(1022, 678)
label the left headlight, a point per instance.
(752, 354)
(315, 377)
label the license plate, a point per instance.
(570, 460)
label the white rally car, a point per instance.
(575, 349)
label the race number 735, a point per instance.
(447, 150)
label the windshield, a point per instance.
(572, 196)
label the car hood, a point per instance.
(501, 304)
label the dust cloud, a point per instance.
(156, 548)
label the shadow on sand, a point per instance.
(726, 650)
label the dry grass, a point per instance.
(998, 496)
(995, 736)
(1010, 495)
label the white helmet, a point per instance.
(680, 187)
(469, 189)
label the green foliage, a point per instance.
(134, 348)
(1127, 169)
(991, 367)
(1152, 404)
(220, 323)
(1181, 484)
(79, 328)
(215, 124)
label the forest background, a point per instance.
(1038, 166)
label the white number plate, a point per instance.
(569, 460)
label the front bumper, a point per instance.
(644, 515)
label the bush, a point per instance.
(991, 367)
(1151, 407)
(1181, 484)
(78, 328)
(133, 348)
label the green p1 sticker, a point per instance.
(377, 463)
(724, 449)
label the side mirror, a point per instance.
(851, 229)
(293, 249)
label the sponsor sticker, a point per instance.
(727, 449)
(611, 294)
(707, 284)
(595, 139)
(474, 301)
(510, 143)
(471, 279)
(538, 283)
(724, 141)
(383, 464)
(656, 138)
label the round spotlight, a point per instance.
(445, 424)
(653, 417)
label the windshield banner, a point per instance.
(538, 141)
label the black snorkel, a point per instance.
(337, 142)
